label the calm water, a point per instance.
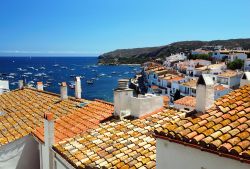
(53, 70)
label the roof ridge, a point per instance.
(103, 101)
(54, 94)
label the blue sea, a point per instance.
(54, 70)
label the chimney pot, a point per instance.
(78, 89)
(39, 86)
(64, 91)
(123, 84)
(48, 116)
(20, 84)
(49, 139)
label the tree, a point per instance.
(177, 95)
(236, 64)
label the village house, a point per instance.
(220, 90)
(230, 79)
(247, 65)
(170, 60)
(188, 67)
(188, 88)
(233, 56)
(230, 54)
(213, 69)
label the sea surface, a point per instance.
(54, 70)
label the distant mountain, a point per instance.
(140, 55)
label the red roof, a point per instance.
(79, 121)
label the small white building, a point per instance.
(247, 65)
(193, 64)
(220, 90)
(188, 88)
(229, 79)
(234, 56)
(221, 54)
(174, 58)
(126, 104)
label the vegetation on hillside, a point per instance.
(141, 55)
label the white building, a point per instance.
(174, 58)
(229, 79)
(188, 88)
(234, 56)
(220, 90)
(247, 65)
(214, 69)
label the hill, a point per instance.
(140, 55)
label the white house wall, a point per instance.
(171, 155)
(20, 154)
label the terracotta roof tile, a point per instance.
(187, 101)
(118, 144)
(23, 112)
(223, 128)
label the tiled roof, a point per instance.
(224, 129)
(187, 101)
(219, 87)
(79, 121)
(117, 144)
(190, 83)
(23, 110)
(229, 73)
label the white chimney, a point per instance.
(39, 86)
(204, 93)
(122, 96)
(78, 88)
(64, 91)
(126, 104)
(20, 84)
(47, 159)
(245, 79)
(4, 86)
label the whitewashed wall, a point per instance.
(20, 154)
(177, 156)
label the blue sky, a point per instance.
(91, 27)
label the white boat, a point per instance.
(90, 82)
